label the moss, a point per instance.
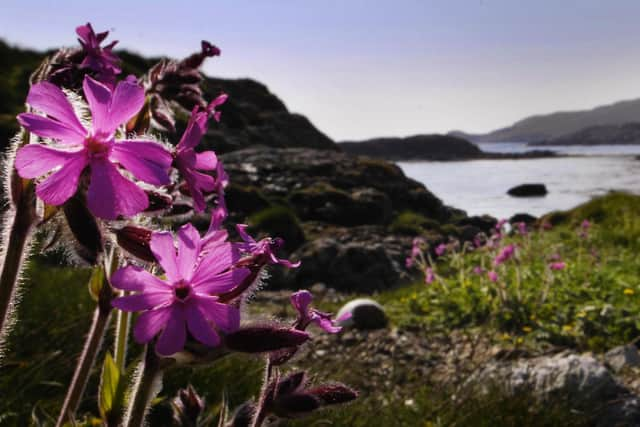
(279, 221)
(412, 223)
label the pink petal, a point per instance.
(49, 99)
(110, 194)
(194, 131)
(188, 250)
(144, 301)
(150, 322)
(225, 317)
(148, 161)
(132, 278)
(221, 283)
(127, 100)
(197, 182)
(35, 160)
(200, 328)
(215, 261)
(206, 160)
(59, 187)
(301, 301)
(212, 239)
(49, 128)
(98, 96)
(164, 250)
(174, 335)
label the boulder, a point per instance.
(579, 380)
(528, 190)
(623, 356)
(523, 217)
(366, 314)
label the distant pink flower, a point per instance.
(492, 275)
(301, 301)
(441, 249)
(265, 247)
(408, 262)
(522, 228)
(584, 229)
(99, 59)
(500, 224)
(505, 255)
(560, 265)
(187, 299)
(110, 194)
(546, 225)
(478, 270)
(429, 276)
(189, 162)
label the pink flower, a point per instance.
(99, 59)
(265, 248)
(500, 225)
(301, 301)
(522, 228)
(429, 276)
(492, 275)
(505, 255)
(441, 249)
(110, 194)
(560, 265)
(187, 299)
(585, 226)
(478, 270)
(189, 163)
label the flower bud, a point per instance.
(135, 241)
(187, 407)
(262, 339)
(158, 202)
(295, 405)
(85, 229)
(333, 394)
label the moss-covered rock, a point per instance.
(279, 221)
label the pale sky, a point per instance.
(361, 69)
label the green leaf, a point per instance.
(108, 386)
(96, 282)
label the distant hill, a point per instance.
(627, 134)
(417, 147)
(549, 126)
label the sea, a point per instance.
(480, 186)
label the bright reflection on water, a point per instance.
(480, 186)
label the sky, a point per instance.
(361, 69)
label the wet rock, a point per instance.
(485, 223)
(623, 356)
(366, 314)
(528, 190)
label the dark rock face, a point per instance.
(254, 116)
(366, 314)
(528, 190)
(418, 147)
(522, 217)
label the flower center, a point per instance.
(97, 146)
(182, 291)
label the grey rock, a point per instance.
(366, 314)
(528, 190)
(581, 381)
(622, 357)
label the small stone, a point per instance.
(622, 356)
(366, 314)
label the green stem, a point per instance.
(20, 222)
(123, 321)
(92, 346)
(145, 389)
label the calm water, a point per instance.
(480, 186)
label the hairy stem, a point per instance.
(99, 325)
(123, 321)
(20, 222)
(146, 387)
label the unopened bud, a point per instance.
(292, 382)
(333, 394)
(262, 339)
(136, 241)
(187, 407)
(295, 405)
(158, 202)
(85, 229)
